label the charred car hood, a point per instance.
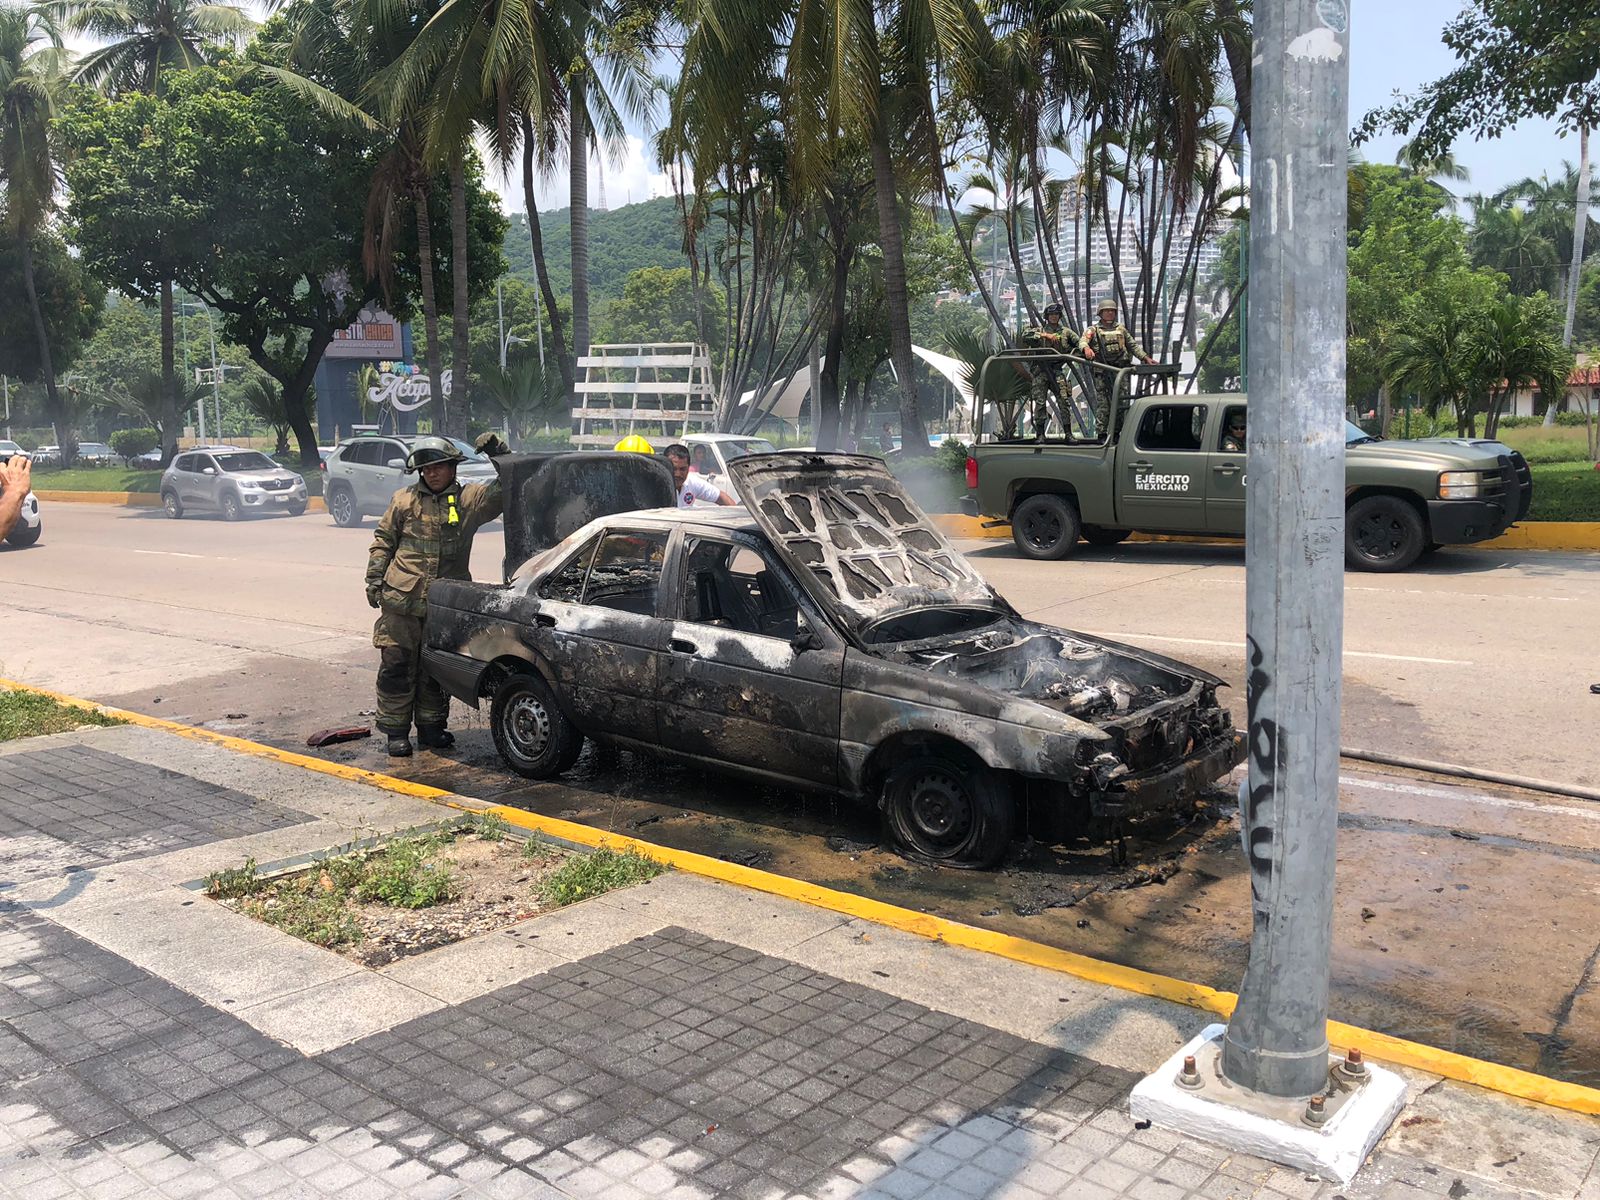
(844, 525)
(1084, 677)
(547, 497)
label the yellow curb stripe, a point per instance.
(138, 499)
(1509, 1081)
(1532, 535)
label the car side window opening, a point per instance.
(361, 454)
(626, 572)
(734, 587)
(566, 585)
(1231, 439)
(701, 461)
(1173, 427)
(184, 462)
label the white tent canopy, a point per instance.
(786, 396)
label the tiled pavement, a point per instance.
(675, 1064)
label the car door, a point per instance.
(385, 480)
(1226, 479)
(598, 624)
(207, 477)
(752, 676)
(1163, 470)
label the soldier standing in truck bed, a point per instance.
(1045, 377)
(1109, 345)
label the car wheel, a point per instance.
(1046, 527)
(942, 810)
(1097, 536)
(297, 510)
(174, 506)
(1384, 534)
(230, 507)
(342, 508)
(530, 730)
(22, 536)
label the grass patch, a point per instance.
(1558, 444)
(28, 714)
(95, 479)
(588, 875)
(1565, 492)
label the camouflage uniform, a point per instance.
(1114, 348)
(1045, 377)
(423, 536)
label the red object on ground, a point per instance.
(330, 737)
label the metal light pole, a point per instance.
(538, 317)
(1294, 591)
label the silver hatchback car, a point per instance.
(362, 474)
(231, 481)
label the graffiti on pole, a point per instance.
(1268, 756)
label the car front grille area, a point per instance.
(276, 485)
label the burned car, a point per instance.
(826, 637)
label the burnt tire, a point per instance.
(531, 732)
(945, 810)
(173, 506)
(1046, 527)
(1096, 536)
(1383, 534)
(232, 510)
(342, 508)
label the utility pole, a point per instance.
(1294, 566)
(500, 316)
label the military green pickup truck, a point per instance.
(1174, 464)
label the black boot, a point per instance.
(399, 746)
(435, 737)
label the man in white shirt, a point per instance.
(693, 489)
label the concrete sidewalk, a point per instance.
(681, 1038)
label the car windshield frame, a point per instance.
(732, 450)
(993, 614)
(1354, 435)
(225, 458)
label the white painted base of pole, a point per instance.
(1233, 1118)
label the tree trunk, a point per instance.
(1575, 274)
(828, 412)
(60, 419)
(461, 303)
(536, 239)
(169, 390)
(430, 312)
(1385, 408)
(913, 435)
(295, 388)
(1238, 63)
(578, 211)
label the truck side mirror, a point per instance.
(806, 639)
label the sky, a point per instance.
(1395, 46)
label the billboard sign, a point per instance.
(374, 335)
(405, 392)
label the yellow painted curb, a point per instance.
(1532, 535)
(1509, 1081)
(136, 499)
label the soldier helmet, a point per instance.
(1052, 310)
(636, 444)
(1106, 305)
(426, 451)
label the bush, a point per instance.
(130, 443)
(1565, 492)
(1566, 420)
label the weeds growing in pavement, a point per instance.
(407, 874)
(587, 875)
(234, 882)
(321, 919)
(491, 827)
(28, 714)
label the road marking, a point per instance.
(181, 554)
(1177, 641)
(1411, 789)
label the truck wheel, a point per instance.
(530, 731)
(342, 508)
(22, 536)
(1097, 536)
(1046, 527)
(1382, 533)
(948, 812)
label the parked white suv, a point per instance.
(231, 481)
(361, 475)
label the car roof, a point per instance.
(726, 437)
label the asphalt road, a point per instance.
(1446, 892)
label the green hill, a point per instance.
(621, 240)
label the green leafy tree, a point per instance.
(131, 443)
(525, 393)
(662, 305)
(1437, 348)
(266, 400)
(1518, 345)
(1507, 239)
(71, 300)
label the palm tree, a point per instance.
(142, 39)
(1514, 348)
(32, 80)
(1431, 167)
(1434, 354)
(1506, 239)
(264, 397)
(525, 391)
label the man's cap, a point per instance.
(426, 451)
(636, 444)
